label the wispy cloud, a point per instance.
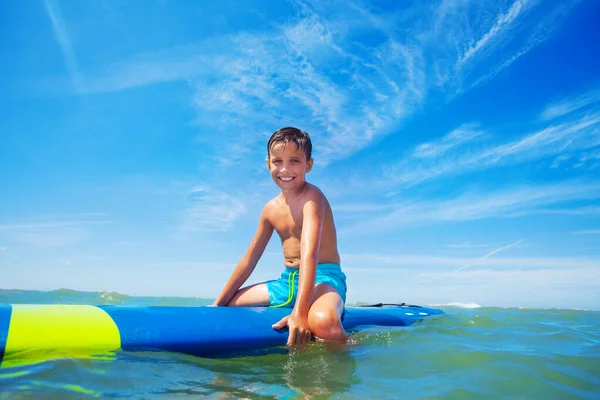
(58, 221)
(51, 225)
(465, 134)
(211, 210)
(587, 232)
(270, 79)
(560, 160)
(466, 246)
(503, 20)
(474, 42)
(5, 251)
(488, 255)
(62, 37)
(509, 202)
(570, 105)
(566, 286)
(459, 34)
(415, 262)
(55, 230)
(55, 237)
(348, 74)
(589, 159)
(570, 283)
(557, 281)
(344, 109)
(362, 207)
(568, 210)
(576, 135)
(583, 160)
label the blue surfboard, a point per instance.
(202, 331)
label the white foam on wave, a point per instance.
(459, 305)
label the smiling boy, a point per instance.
(312, 282)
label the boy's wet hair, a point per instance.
(291, 135)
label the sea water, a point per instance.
(472, 352)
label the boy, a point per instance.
(302, 217)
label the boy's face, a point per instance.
(288, 166)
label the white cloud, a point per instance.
(310, 35)
(565, 210)
(402, 262)
(212, 210)
(53, 237)
(589, 159)
(474, 41)
(466, 245)
(316, 71)
(587, 232)
(160, 277)
(553, 141)
(5, 251)
(571, 105)
(254, 81)
(161, 66)
(561, 282)
(571, 287)
(362, 207)
(502, 22)
(567, 287)
(506, 203)
(560, 160)
(489, 254)
(51, 224)
(272, 77)
(457, 34)
(464, 134)
(64, 42)
(55, 230)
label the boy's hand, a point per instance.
(298, 327)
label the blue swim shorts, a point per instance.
(282, 291)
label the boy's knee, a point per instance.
(325, 324)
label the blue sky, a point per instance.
(458, 142)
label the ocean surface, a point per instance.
(472, 352)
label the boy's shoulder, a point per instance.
(313, 192)
(309, 192)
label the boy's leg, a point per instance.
(325, 315)
(254, 295)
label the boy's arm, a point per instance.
(312, 225)
(248, 262)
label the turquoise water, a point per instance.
(470, 353)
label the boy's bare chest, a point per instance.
(287, 223)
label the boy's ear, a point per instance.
(268, 163)
(309, 165)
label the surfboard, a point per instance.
(205, 331)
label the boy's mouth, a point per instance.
(286, 178)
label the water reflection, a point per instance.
(315, 371)
(321, 370)
(36, 356)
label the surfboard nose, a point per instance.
(69, 329)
